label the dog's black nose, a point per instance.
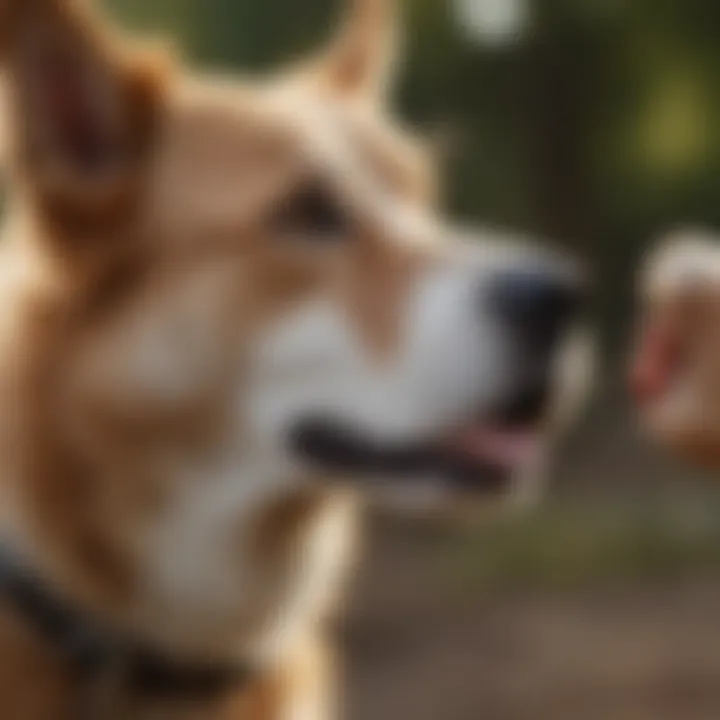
(537, 302)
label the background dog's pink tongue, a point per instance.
(507, 448)
(653, 367)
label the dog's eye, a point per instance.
(313, 214)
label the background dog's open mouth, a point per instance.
(659, 365)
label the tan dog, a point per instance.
(675, 372)
(219, 298)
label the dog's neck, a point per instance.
(211, 586)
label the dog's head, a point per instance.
(229, 291)
(270, 254)
(676, 369)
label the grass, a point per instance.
(573, 544)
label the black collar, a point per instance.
(91, 652)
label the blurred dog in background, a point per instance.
(226, 307)
(675, 375)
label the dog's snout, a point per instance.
(539, 303)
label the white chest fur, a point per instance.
(207, 584)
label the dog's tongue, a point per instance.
(507, 449)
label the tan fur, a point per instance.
(85, 263)
(191, 268)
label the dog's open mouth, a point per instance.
(660, 365)
(481, 457)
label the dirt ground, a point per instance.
(634, 652)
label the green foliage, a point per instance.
(574, 545)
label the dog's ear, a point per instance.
(362, 58)
(81, 105)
